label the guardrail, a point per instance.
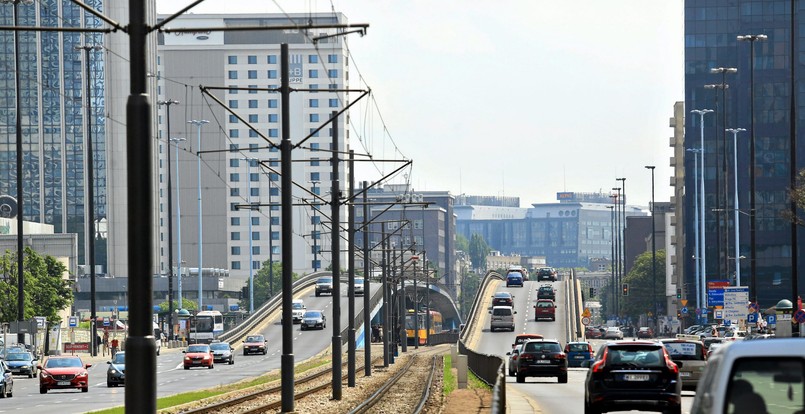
(359, 315)
(471, 317)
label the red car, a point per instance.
(61, 372)
(544, 309)
(255, 344)
(199, 355)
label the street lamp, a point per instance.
(90, 233)
(612, 252)
(251, 267)
(653, 247)
(696, 255)
(752, 252)
(735, 132)
(168, 105)
(314, 235)
(178, 218)
(702, 255)
(199, 124)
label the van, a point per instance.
(502, 318)
(298, 310)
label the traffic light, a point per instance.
(592, 292)
(679, 293)
(625, 289)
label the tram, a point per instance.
(417, 323)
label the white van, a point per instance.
(502, 318)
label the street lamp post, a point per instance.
(735, 132)
(612, 252)
(752, 252)
(178, 219)
(168, 105)
(199, 124)
(251, 267)
(696, 255)
(702, 255)
(653, 249)
(622, 230)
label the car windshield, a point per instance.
(255, 338)
(325, 280)
(521, 339)
(689, 351)
(502, 311)
(298, 305)
(636, 356)
(63, 363)
(198, 348)
(542, 347)
(221, 346)
(544, 304)
(313, 314)
(358, 281)
(502, 295)
(579, 348)
(120, 358)
(19, 357)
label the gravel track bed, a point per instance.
(404, 396)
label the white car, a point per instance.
(358, 286)
(298, 310)
(613, 332)
(758, 376)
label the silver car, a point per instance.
(358, 286)
(613, 332)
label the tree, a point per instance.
(262, 285)
(186, 304)
(462, 243)
(470, 283)
(797, 195)
(478, 250)
(641, 283)
(46, 291)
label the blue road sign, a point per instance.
(685, 310)
(771, 319)
(751, 318)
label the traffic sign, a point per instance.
(753, 307)
(684, 303)
(718, 314)
(585, 320)
(105, 321)
(73, 321)
(586, 312)
(752, 317)
(685, 310)
(799, 316)
(771, 319)
(698, 311)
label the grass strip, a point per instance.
(449, 380)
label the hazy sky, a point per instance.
(512, 97)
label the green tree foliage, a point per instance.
(470, 283)
(262, 285)
(478, 250)
(641, 282)
(46, 292)
(186, 304)
(462, 243)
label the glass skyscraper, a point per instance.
(711, 30)
(54, 116)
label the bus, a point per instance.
(206, 326)
(411, 327)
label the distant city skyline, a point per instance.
(534, 99)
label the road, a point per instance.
(172, 378)
(552, 397)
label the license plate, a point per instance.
(579, 357)
(684, 374)
(63, 383)
(543, 361)
(635, 377)
(196, 362)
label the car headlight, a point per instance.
(206, 357)
(83, 374)
(187, 358)
(25, 367)
(44, 374)
(113, 372)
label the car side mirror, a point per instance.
(184, 352)
(231, 349)
(88, 366)
(508, 353)
(109, 362)
(515, 312)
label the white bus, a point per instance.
(206, 326)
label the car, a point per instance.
(546, 273)
(594, 332)
(542, 358)
(514, 279)
(503, 299)
(713, 347)
(758, 376)
(324, 285)
(632, 375)
(22, 363)
(578, 352)
(358, 286)
(644, 332)
(691, 358)
(613, 332)
(520, 338)
(63, 372)
(544, 309)
(116, 373)
(519, 269)
(198, 355)
(314, 319)
(222, 352)
(6, 381)
(734, 335)
(708, 342)
(546, 292)
(513, 354)
(297, 310)
(255, 344)
(502, 318)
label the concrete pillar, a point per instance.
(461, 367)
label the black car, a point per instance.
(546, 273)
(314, 319)
(116, 373)
(324, 285)
(503, 299)
(632, 375)
(6, 381)
(546, 292)
(542, 358)
(222, 352)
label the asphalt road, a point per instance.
(172, 378)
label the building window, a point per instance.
(233, 103)
(252, 74)
(252, 147)
(314, 162)
(233, 74)
(273, 118)
(314, 132)
(332, 58)
(272, 103)
(316, 264)
(235, 235)
(312, 73)
(255, 235)
(235, 265)
(252, 103)
(275, 221)
(313, 103)
(312, 59)
(255, 221)
(233, 147)
(233, 60)
(255, 192)
(274, 162)
(254, 177)
(273, 176)
(314, 176)
(234, 177)
(252, 133)
(234, 133)
(274, 191)
(233, 119)
(234, 162)
(271, 59)
(313, 86)
(333, 103)
(272, 74)
(273, 133)
(332, 73)
(314, 117)
(252, 60)
(235, 221)
(235, 250)
(232, 91)
(255, 249)
(252, 88)
(253, 118)
(255, 264)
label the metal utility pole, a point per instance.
(251, 249)
(653, 250)
(168, 105)
(287, 360)
(622, 199)
(351, 264)
(416, 309)
(367, 292)
(612, 253)
(90, 234)
(178, 220)
(199, 124)
(793, 154)
(386, 297)
(701, 288)
(336, 262)
(403, 334)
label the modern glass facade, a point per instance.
(53, 110)
(711, 28)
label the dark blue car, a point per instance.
(578, 352)
(514, 279)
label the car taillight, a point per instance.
(526, 357)
(670, 364)
(599, 366)
(560, 356)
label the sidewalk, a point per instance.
(517, 402)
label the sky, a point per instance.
(522, 98)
